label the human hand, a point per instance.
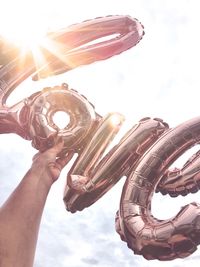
(48, 164)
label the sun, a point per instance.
(27, 35)
(24, 23)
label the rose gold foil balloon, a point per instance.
(41, 127)
(143, 155)
(76, 50)
(152, 238)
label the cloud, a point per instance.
(159, 77)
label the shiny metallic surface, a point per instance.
(41, 127)
(144, 155)
(118, 162)
(91, 155)
(15, 68)
(76, 39)
(159, 239)
(182, 181)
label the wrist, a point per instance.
(40, 174)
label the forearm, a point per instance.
(20, 218)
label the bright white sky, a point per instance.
(159, 78)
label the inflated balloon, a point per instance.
(152, 238)
(143, 155)
(76, 50)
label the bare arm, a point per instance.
(21, 214)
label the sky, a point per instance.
(157, 78)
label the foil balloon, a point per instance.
(143, 155)
(177, 237)
(75, 48)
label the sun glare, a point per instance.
(27, 34)
(23, 23)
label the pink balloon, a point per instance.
(143, 155)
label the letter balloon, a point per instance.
(144, 155)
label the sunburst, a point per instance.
(24, 25)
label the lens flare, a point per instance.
(23, 23)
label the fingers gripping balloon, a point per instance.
(143, 155)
